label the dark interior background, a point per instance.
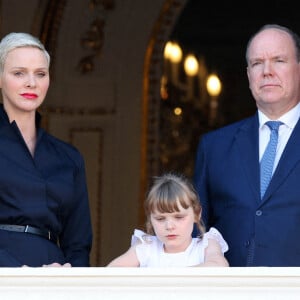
(218, 31)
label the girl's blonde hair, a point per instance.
(166, 192)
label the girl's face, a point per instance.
(24, 81)
(174, 229)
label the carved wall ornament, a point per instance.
(92, 40)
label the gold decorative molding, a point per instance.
(93, 38)
(50, 27)
(83, 111)
(1, 13)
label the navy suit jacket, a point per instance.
(227, 177)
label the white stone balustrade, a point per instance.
(158, 283)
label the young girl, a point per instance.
(172, 207)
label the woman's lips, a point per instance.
(29, 96)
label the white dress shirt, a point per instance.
(289, 121)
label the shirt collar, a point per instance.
(290, 118)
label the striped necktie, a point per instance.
(267, 161)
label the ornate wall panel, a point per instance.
(90, 142)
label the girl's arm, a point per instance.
(127, 259)
(213, 256)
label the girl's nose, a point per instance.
(169, 224)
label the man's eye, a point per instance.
(255, 64)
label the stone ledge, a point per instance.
(135, 283)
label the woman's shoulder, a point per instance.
(63, 147)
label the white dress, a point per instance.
(150, 251)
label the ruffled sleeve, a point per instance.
(140, 236)
(144, 246)
(213, 233)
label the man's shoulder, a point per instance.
(232, 128)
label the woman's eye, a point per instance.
(42, 74)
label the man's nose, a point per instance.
(267, 68)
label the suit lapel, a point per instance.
(247, 143)
(288, 161)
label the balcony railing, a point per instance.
(137, 283)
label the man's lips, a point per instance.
(29, 95)
(269, 85)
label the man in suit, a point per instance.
(261, 230)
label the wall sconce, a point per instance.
(188, 75)
(214, 87)
(189, 107)
(191, 65)
(173, 52)
(191, 68)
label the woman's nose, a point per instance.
(30, 81)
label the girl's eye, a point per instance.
(179, 217)
(18, 73)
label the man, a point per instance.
(261, 225)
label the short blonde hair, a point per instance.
(19, 40)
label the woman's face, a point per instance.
(25, 80)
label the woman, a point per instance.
(44, 209)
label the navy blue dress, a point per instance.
(47, 191)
